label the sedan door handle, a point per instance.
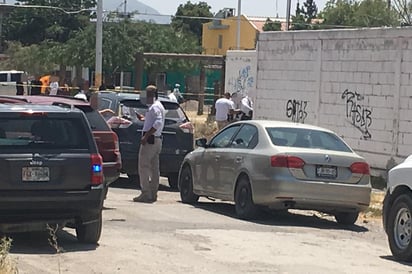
(238, 160)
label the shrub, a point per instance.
(7, 265)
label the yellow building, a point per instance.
(219, 35)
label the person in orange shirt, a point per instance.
(45, 80)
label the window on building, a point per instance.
(220, 41)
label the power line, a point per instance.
(47, 7)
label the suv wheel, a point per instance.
(399, 228)
(173, 179)
(90, 233)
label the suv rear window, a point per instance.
(306, 138)
(173, 110)
(50, 133)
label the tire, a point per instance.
(186, 187)
(346, 218)
(244, 206)
(399, 228)
(90, 233)
(173, 180)
(134, 179)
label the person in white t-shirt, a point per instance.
(54, 85)
(172, 96)
(224, 107)
(246, 108)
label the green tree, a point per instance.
(304, 15)
(32, 59)
(403, 9)
(375, 13)
(34, 25)
(272, 25)
(350, 13)
(189, 16)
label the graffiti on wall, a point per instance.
(358, 114)
(244, 81)
(296, 110)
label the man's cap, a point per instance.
(177, 85)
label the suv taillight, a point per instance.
(96, 169)
(286, 161)
(187, 127)
(360, 168)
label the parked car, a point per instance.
(106, 140)
(177, 133)
(278, 165)
(51, 171)
(397, 210)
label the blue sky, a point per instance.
(249, 7)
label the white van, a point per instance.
(8, 79)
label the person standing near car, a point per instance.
(225, 108)
(246, 108)
(150, 147)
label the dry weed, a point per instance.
(7, 265)
(52, 230)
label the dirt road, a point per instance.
(170, 237)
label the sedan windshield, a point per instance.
(306, 138)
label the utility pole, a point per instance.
(239, 12)
(99, 41)
(288, 14)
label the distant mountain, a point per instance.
(146, 13)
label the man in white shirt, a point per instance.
(246, 108)
(224, 107)
(54, 85)
(172, 96)
(150, 147)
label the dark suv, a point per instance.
(177, 133)
(52, 172)
(106, 140)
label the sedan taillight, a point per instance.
(286, 161)
(360, 168)
(96, 169)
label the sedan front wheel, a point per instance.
(399, 228)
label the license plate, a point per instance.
(326, 171)
(35, 174)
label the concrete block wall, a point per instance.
(240, 72)
(355, 82)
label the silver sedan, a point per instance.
(278, 165)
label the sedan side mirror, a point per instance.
(202, 142)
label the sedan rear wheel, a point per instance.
(399, 228)
(244, 206)
(346, 218)
(186, 186)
